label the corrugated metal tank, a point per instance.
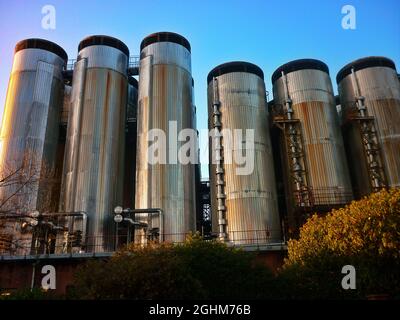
(379, 89)
(30, 130)
(303, 89)
(165, 94)
(244, 209)
(93, 172)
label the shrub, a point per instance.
(365, 234)
(196, 269)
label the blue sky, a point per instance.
(267, 33)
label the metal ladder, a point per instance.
(370, 140)
(294, 147)
(219, 157)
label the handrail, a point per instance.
(132, 63)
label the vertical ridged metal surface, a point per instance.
(313, 104)
(380, 89)
(165, 94)
(251, 201)
(29, 135)
(93, 165)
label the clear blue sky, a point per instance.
(267, 33)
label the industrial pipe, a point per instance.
(70, 214)
(148, 211)
(136, 223)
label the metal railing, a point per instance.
(323, 197)
(70, 64)
(133, 62)
(109, 244)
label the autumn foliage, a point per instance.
(365, 234)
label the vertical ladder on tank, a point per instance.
(370, 140)
(294, 148)
(219, 170)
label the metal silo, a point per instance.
(316, 172)
(93, 172)
(165, 102)
(29, 134)
(370, 98)
(244, 204)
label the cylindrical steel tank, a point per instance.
(316, 171)
(244, 204)
(30, 130)
(93, 172)
(165, 103)
(370, 98)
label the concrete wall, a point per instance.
(18, 274)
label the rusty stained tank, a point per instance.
(30, 131)
(244, 206)
(165, 95)
(315, 167)
(93, 172)
(370, 97)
